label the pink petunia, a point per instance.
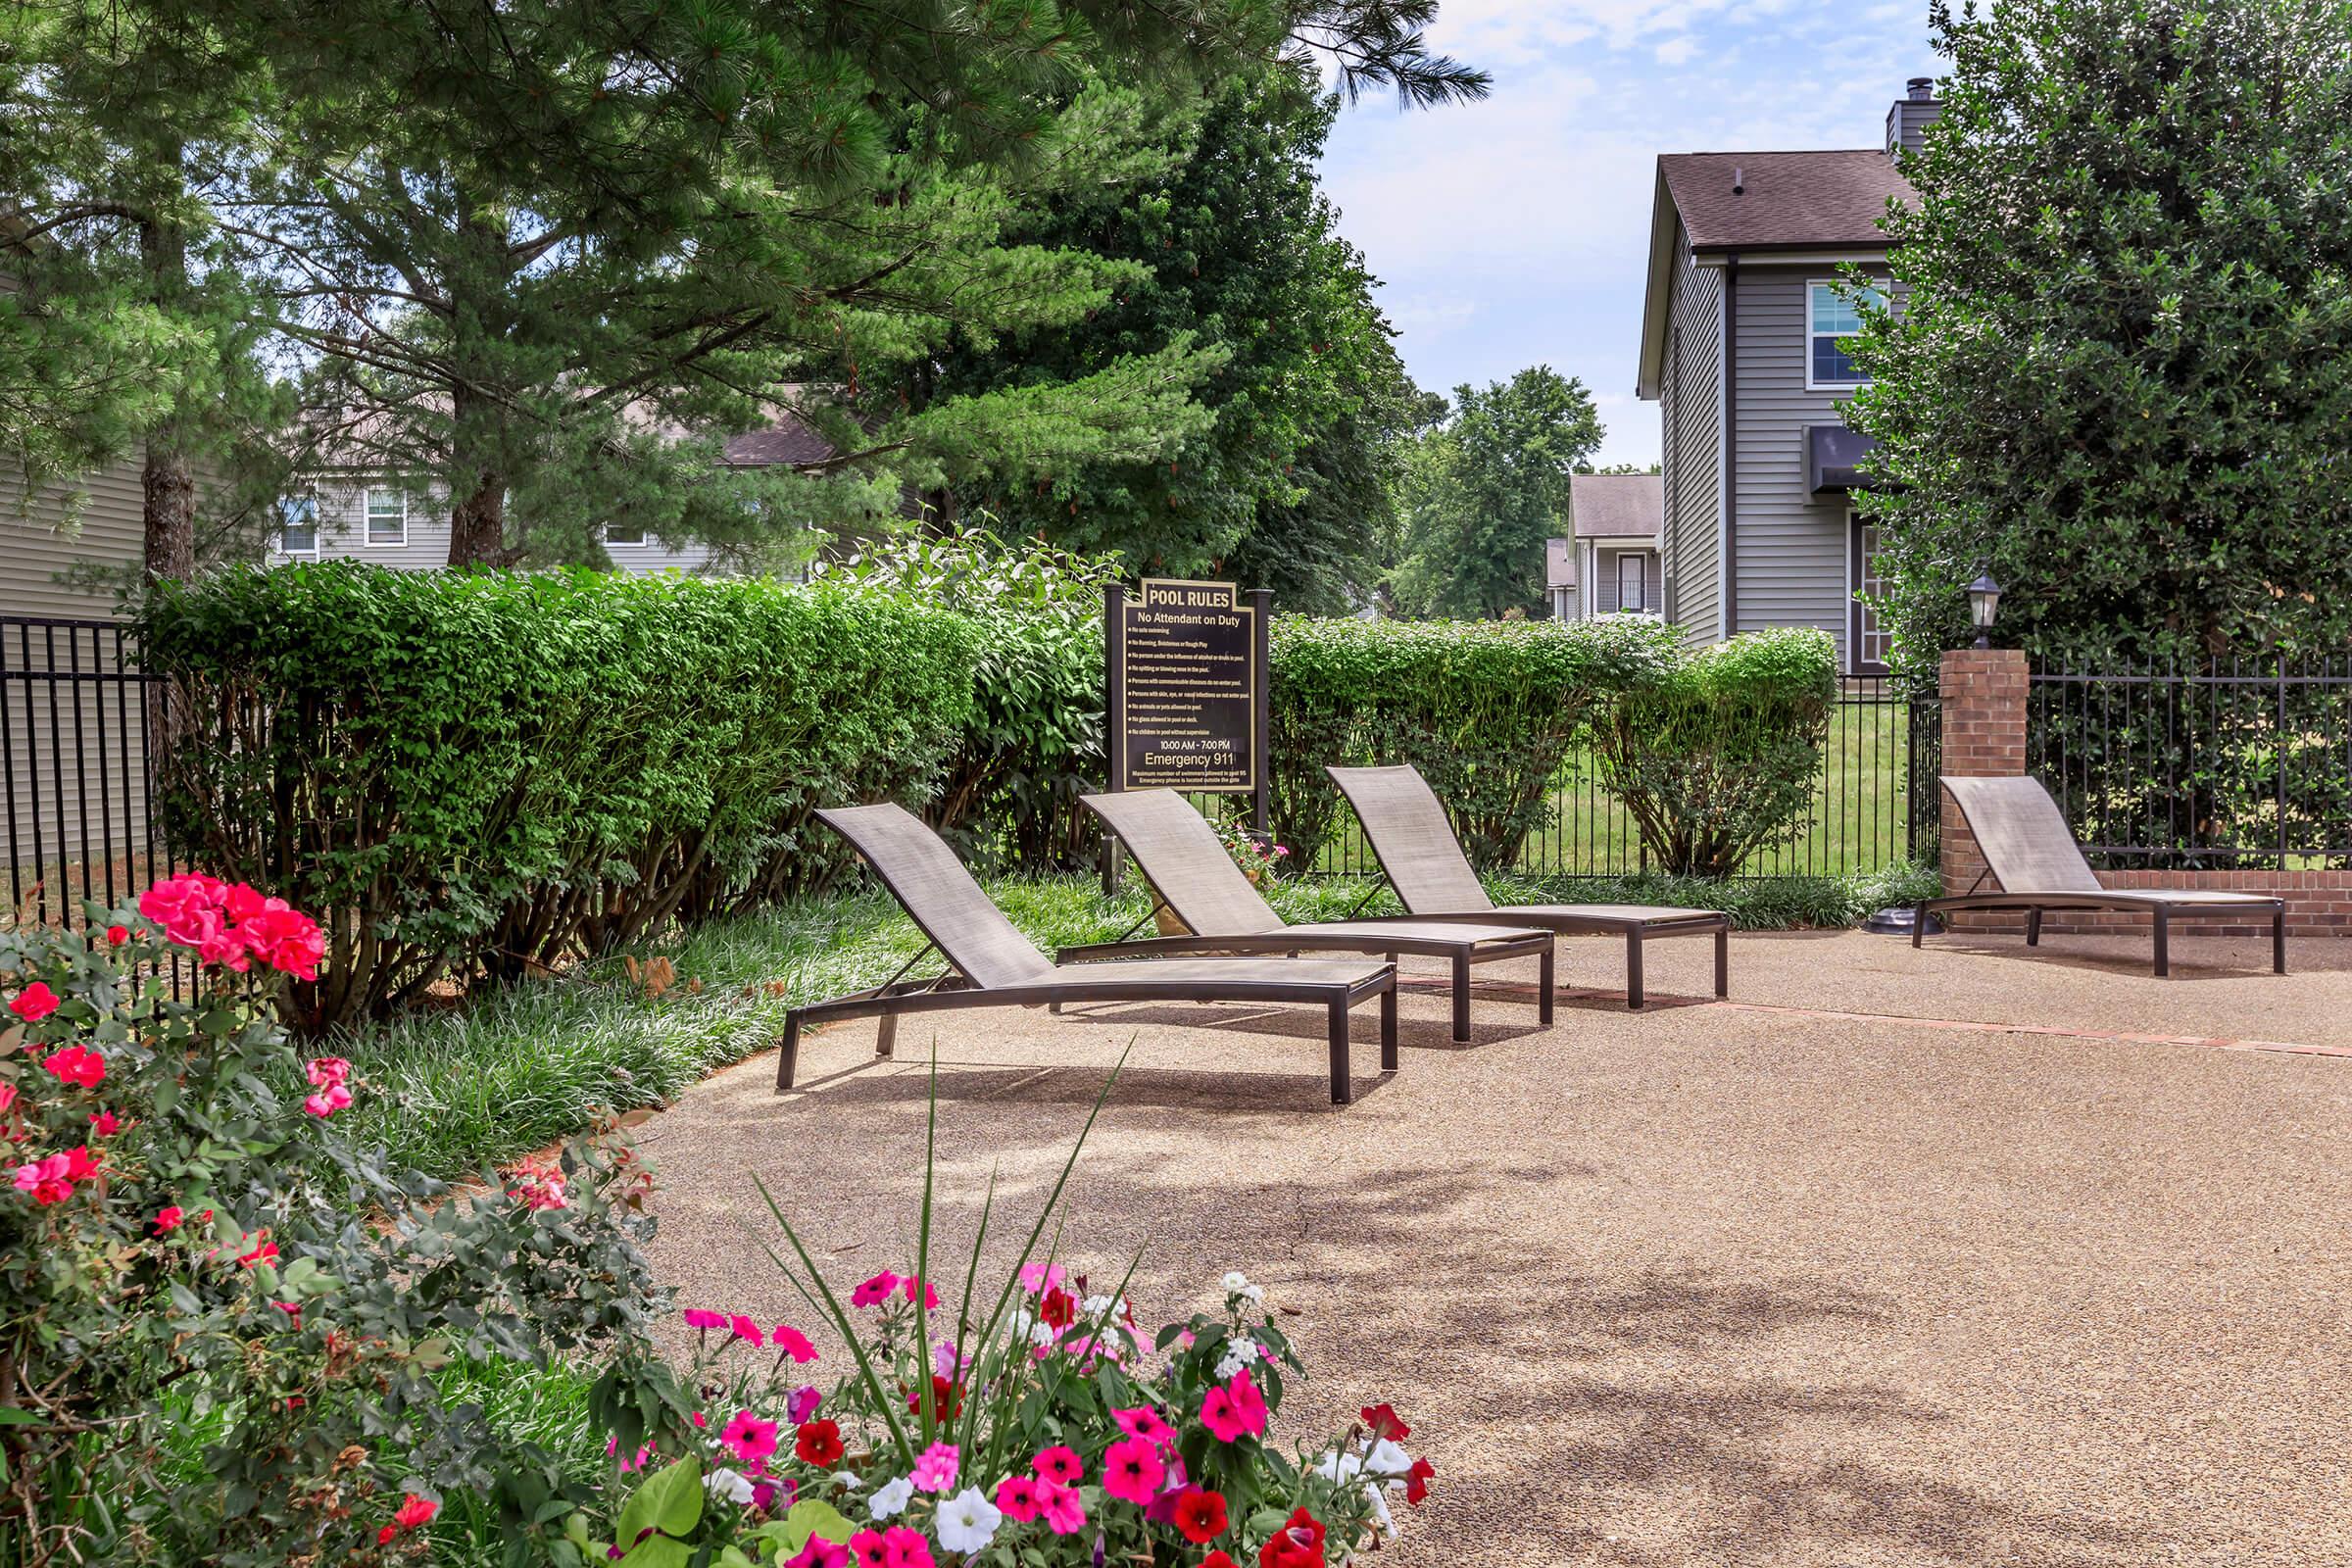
(751, 1438)
(1039, 1278)
(1064, 1511)
(930, 1295)
(793, 1342)
(701, 1318)
(744, 1328)
(34, 1003)
(905, 1547)
(870, 1549)
(874, 1292)
(935, 1468)
(820, 1553)
(799, 1406)
(1016, 1496)
(1131, 1471)
(1061, 1465)
(1144, 1422)
(1233, 1410)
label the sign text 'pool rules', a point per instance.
(1185, 672)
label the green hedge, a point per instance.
(1715, 753)
(469, 775)
(1486, 710)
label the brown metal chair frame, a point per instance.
(1570, 919)
(1251, 980)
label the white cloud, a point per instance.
(1677, 51)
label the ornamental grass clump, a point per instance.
(1027, 1421)
(191, 1243)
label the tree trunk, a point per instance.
(169, 481)
(477, 524)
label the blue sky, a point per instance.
(1515, 232)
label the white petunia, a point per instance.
(969, 1521)
(1381, 1516)
(1236, 1281)
(725, 1483)
(1337, 1466)
(847, 1479)
(1387, 1460)
(890, 1500)
(1042, 1334)
(1254, 1293)
(1241, 1354)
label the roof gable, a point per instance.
(1813, 200)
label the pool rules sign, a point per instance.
(1185, 667)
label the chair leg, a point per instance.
(1388, 1030)
(788, 1055)
(1341, 1090)
(1461, 995)
(1723, 961)
(886, 1035)
(1633, 970)
(1919, 922)
(2279, 940)
(2032, 928)
(1054, 1008)
(2164, 955)
(1545, 975)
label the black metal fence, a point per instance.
(75, 727)
(1874, 803)
(2237, 767)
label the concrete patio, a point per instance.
(1834, 1274)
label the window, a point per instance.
(298, 525)
(387, 515)
(625, 533)
(1831, 318)
(1867, 640)
(1633, 582)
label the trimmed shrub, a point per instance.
(1486, 710)
(1034, 743)
(480, 774)
(1715, 753)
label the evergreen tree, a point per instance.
(2121, 377)
(1484, 489)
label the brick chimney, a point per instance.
(1912, 114)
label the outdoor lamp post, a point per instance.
(1983, 604)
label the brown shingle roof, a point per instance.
(1808, 199)
(1616, 506)
(788, 441)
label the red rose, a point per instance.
(34, 1003)
(1200, 1514)
(117, 935)
(1297, 1544)
(818, 1443)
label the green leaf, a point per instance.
(670, 1500)
(813, 1516)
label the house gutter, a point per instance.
(1727, 593)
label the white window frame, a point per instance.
(638, 543)
(1811, 385)
(1641, 563)
(368, 538)
(316, 536)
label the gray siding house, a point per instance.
(1741, 349)
(1610, 563)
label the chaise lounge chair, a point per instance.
(1191, 874)
(1415, 845)
(992, 964)
(2031, 851)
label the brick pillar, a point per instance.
(1983, 691)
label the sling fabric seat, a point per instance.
(992, 964)
(2032, 854)
(1189, 867)
(1406, 827)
